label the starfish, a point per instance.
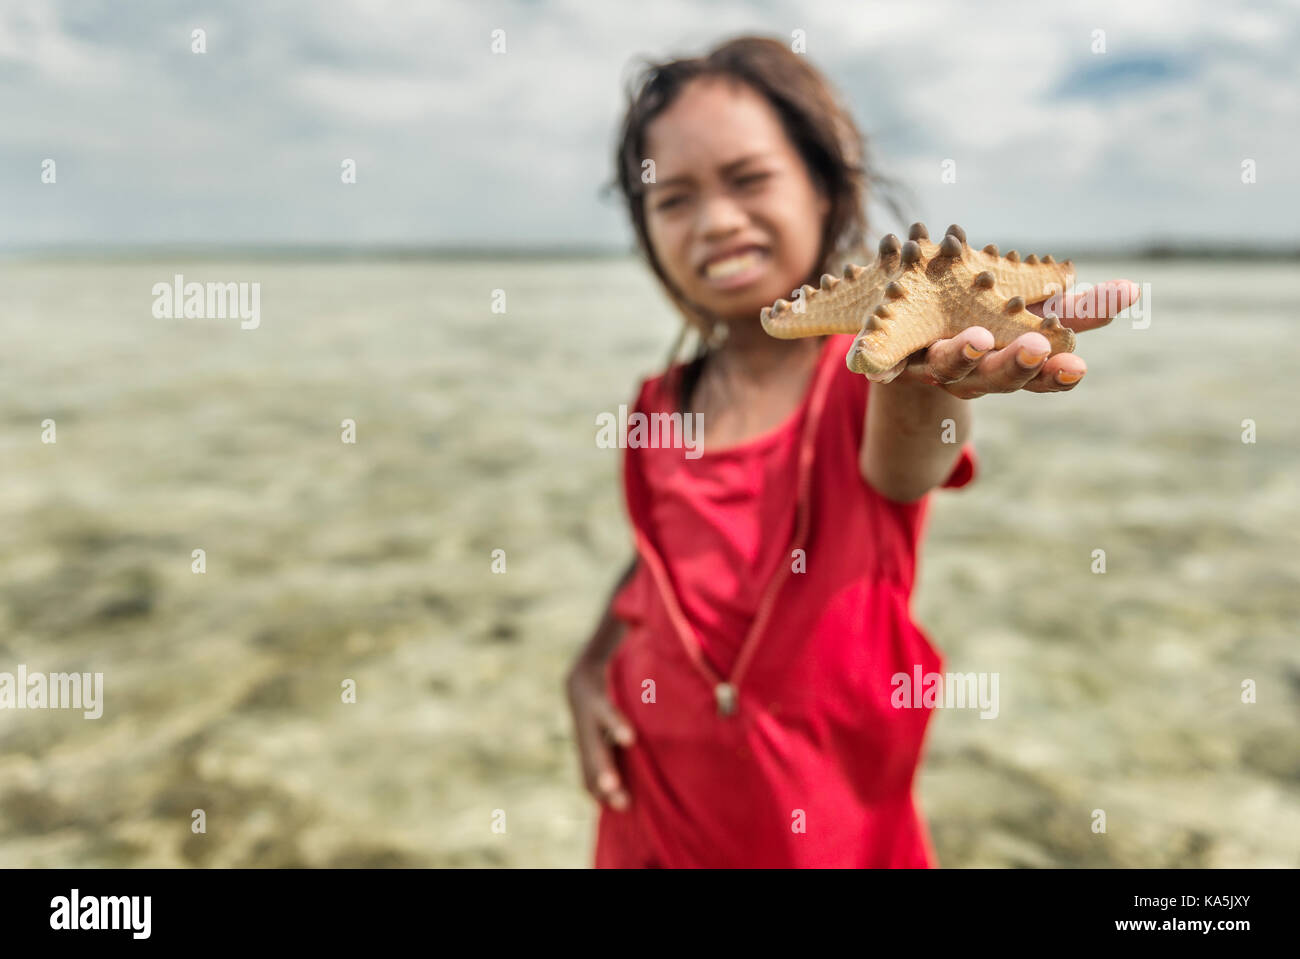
(918, 292)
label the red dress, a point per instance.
(769, 611)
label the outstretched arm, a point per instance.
(903, 455)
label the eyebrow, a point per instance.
(726, 168)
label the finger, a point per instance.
(613, 722)
(1114, 297)
(1008, 369)
(599, 773)
(947, 361)
(1057, 374)
(612, 789)
(1098, 306)
(615, 730)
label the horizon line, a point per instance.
(1151, 249)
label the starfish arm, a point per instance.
(1033, 279)
(840, 306)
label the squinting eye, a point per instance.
(751, 179)
(670, 202)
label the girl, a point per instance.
(733, 708)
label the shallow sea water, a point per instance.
(371, 562)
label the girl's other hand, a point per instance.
(600, 728)
(967, 366)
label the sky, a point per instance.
(1053, 141)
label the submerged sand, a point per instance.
(372, 562)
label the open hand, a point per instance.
(967, 366)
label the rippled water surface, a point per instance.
(371, 562)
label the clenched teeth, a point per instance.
(721, 269)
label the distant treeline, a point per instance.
(1170, 251)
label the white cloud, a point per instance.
(458, 144)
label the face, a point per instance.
(734, 216)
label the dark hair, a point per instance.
(820, 127)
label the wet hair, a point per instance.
(818, 125)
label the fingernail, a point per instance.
(624, 736)
(971, 353)
(1028, 359)
(1065, 378)
(607, 781)
(619, 802)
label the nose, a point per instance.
(719, 216)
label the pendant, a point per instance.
(726, 696)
